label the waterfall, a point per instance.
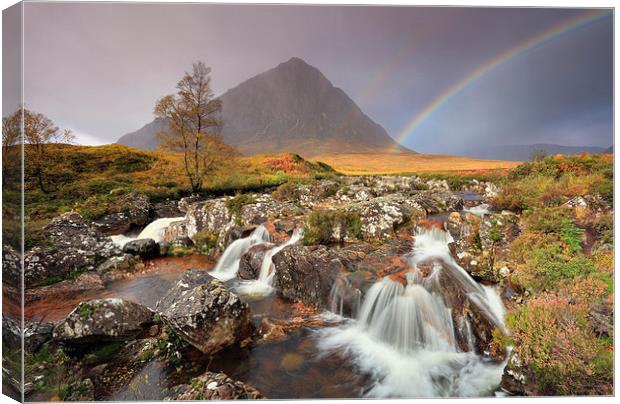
(263, 286)
(343, 293)
(228, 264)
(155, 230)
(479, 210)
(404, 336)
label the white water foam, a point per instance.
(263, 286)
(479, 210)
(228, 264)
(155, 230)
(404, 335)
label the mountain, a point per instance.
(292, 107)
(525, 152)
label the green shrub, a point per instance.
(236, 203)
(205, 241)
(545, 266)
(554, 340)
(320, 226)
(286, 192)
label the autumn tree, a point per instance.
(39, 133)
(10, 148)
(194, 118)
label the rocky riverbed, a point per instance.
(127, 318)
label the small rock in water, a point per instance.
(291, 361)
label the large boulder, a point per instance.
(381, 216)
(215, 386)
(144, 248)
(307, 273)
(264, 208)
(165, 209)
(204, 313)
(72, 245)
(100, 320)
(212, 215)
(130, 210)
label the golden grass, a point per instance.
(400, 163)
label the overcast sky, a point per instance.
(99, 68)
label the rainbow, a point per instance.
(547, 35)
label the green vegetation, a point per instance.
(93, 181)
(236, 204)
(49, 368)
(205, 241)
(320, 226)
(553, 333)
(554, 180)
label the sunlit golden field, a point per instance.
(395, 163)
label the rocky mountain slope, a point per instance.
(292, 107)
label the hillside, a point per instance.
(524, 152)
(90, 179)
(292, 107)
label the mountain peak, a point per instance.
(292, 107)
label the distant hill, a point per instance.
(525, 152)
(292, 107)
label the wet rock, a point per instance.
(307, 273)
(176, 231)
(514, 379)
(251, 262)
(11, 333)
(215, 386)
(11, 266)
(204, 313)
(129, 210)
(101, 320)
(72, 246)
(191, 279)
(211, 215)
(122, 263)
(165, 209)
(436, 201)
(467, 248)
(184, 203)
(265, 208)
(235, 233)
(144, 248)
(36, 333)
(381, 216)
(271, 332)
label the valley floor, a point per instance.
(397, 163)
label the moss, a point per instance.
(205, 241)
(103, 354)
(236, 204)
(320, 226)
(179, 251)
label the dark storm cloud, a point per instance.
(98, 68)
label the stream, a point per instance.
(399, 341)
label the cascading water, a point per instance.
(228, 264)
(342, 293)
(155, 230)
(479, 210)
(263, 286)
(404, 336)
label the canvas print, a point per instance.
(233, 201)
